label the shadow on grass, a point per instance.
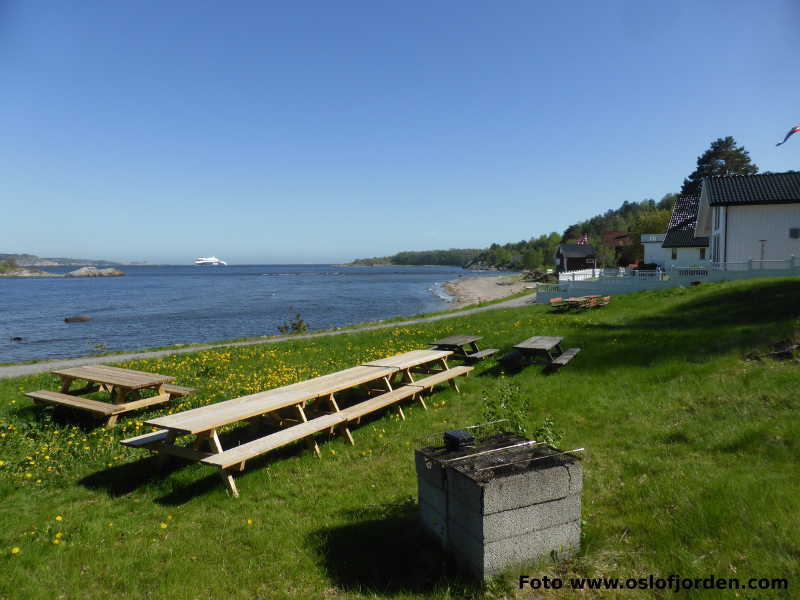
(719, 321)
(385, 551)
(124, 479)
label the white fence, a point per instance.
(637, 280)
(580, 275)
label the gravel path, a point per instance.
(40, 367)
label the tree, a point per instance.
(722, 158)
(606, 257)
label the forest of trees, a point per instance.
(647, 216)
(457, 257)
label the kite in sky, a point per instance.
(795, 129)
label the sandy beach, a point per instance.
(473, 290)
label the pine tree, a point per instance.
(722, 158)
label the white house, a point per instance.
(751, 217)
(682, 247)
(654, 254)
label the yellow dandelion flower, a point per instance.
(59, 534)
(59, 518)
(163, 525)
(15, 550)
(249, 521)
(169, 517)
(56, 541)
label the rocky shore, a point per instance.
(82, 272)
(474, 290)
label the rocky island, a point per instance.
(10, 269)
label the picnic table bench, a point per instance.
(125, 387)
(464, 347)
(548, 347)
(204, 422)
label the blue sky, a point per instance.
(324, 131)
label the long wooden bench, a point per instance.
(481, 354)
(240, 454)
(448, 375)
(237, 457)
(355, 412)
(95, 406)
(563, 358)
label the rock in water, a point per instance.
(78, 319)
(94, 272)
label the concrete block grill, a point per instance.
(501, 502)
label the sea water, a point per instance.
(154, 306)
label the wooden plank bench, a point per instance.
(240, 454)
(355, 412)
(94, 406)
(147, 439)
(480, 355)
(563, 358)
(448, 375)
(178, 391)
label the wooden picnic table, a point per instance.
(540, 345)
(204, 422)
(464, 347)
(124, 386)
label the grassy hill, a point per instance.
(690, 465)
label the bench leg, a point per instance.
(400, 412)
(310, 441)
(421, 399)
(66, 382)
(454, 385)
(348, 435)
(198, 441)
(227, 479)
(111, 421)
(162, 456)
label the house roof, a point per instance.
(766, 188)
(617, 238)
(680, 231)
(575, 250)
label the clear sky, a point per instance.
(268, 132)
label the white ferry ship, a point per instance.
(211, 260)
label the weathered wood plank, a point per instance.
(101, 408)
(234, 456)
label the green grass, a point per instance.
(690, 466)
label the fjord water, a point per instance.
(158, 306)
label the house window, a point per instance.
(702, 253)
(794, 233)
(674, 254)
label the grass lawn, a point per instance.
(691, 464)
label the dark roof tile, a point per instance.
(680, 231)
(766, 188)
(576, 250)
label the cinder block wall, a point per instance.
(489, 526)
